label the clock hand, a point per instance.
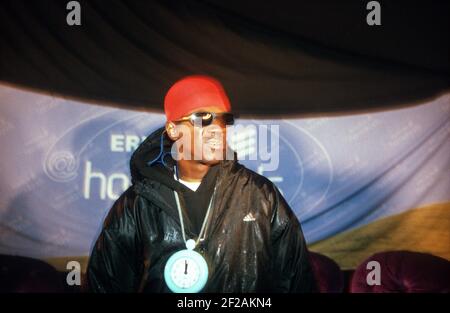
(185, 267)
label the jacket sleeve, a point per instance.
(291, 268)
(113, 264)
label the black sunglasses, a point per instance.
(206, 118)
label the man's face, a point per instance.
(205, 144)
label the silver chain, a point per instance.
(180, 214)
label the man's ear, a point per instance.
(172, 131)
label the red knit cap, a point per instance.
(194, 92)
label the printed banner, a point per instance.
(358, 183)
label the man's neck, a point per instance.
(191, 171)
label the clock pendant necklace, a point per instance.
(186, 271)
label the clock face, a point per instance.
(186, 271)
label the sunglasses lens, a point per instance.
(228, 118)
(206, 118)
(201, 118)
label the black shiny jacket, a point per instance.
(142, 230)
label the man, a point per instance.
(194, 220)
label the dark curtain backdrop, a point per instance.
(274, 57)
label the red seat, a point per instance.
(404, 271)
(328, 275)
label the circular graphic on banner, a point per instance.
(61, 166)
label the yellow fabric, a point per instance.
(425, 229)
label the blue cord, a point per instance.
(161, 155)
